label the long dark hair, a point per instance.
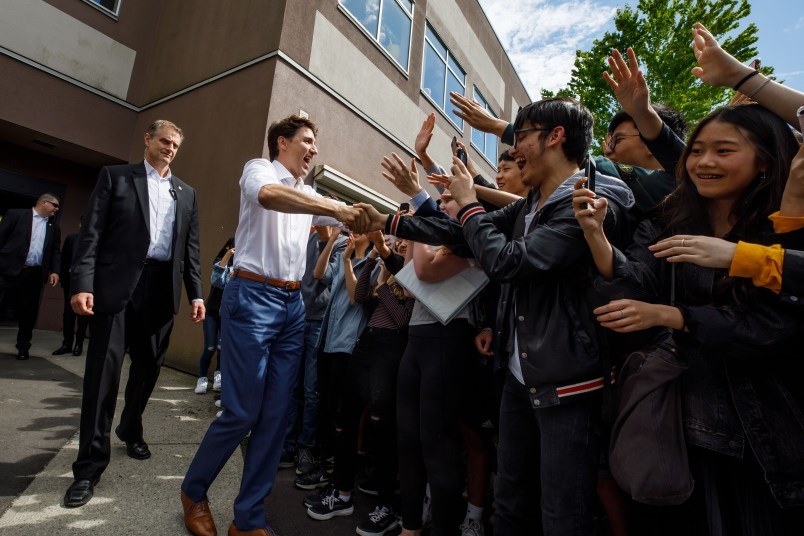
(226, 247)
(686, 211)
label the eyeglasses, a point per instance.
(518, 133)
(612, 144)
(55, 205)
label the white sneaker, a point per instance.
(201, 386)
(218, 403)
(216, 382)
(472, 527)
(219, 414)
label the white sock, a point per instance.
(344, 496)
(473, 512)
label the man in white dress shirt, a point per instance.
(262, 331)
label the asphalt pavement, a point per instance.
(40, 402)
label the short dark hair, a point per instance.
(159, 124)
(286, 128)
(669, 115)
(47, 196)
(576, 119)
(505, 156)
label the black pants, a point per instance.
(69, 321)
(370, 381)
(143, 328)
(431, 396)
(26, 290)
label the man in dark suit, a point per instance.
(138, 242)
(69, 317)
(29, 257)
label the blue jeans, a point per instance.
(307, 383)
(212, 327)
(262, 341)
(546, 456)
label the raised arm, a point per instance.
(477, 117)
(591, 213)
(629, 86)
(320, 269)
(349, 278)
(718, 68)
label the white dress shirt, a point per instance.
(267, 242)
(37, 246)
(161, 212)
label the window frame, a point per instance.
(482, 151)
(447, 70)
(375, 39)
(115, 14)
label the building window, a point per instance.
(111, 7)
(441, 74)
(388, 22)
(484, 142)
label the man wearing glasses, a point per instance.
(29, 242)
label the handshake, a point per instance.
(361, 217)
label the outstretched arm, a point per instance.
(716, 67)
(628, 84)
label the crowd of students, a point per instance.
(696, 240)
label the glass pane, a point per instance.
(478, 139)
(457, 70)
(111, 5)
(454, 85)
(408, 5)
(395, 32)
(433, 79)
(491, 147)
(479, 98)
(436, 42)
(365, 11)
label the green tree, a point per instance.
(659, 31)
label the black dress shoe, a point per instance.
(22, 355)
(79, 493)
(135, 449)
(62, 350)
(78, 349)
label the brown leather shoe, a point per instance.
(197, 517)
(234, 531)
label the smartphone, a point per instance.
(800, 113)
(590, 174)
(457, 151)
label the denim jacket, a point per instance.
(344, 321)
(743, 385)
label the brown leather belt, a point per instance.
(279, 283)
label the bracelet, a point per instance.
(745, 78)
(757, 90)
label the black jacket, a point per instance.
(15, 240)
(114, 239)
(545, 272)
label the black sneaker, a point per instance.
(305, 462)
(380, 521)
(330, 506)
(317, 478)
(315, 498)
(287, 460)
(371, 486)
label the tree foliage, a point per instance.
(659, 31)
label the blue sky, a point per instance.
(541, 36)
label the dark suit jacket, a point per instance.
(67, 251)
(114, 239)
(15, 240)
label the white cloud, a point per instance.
(541, 38)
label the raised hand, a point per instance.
(422, 141)
(470, 167)
(716, 67)
(628, 83)
(793, 196)
(477, 117)
(705, 251)
(406, 179)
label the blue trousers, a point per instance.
(262, 339)
(306, 385)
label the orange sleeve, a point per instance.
(763, 264)
(785, 224)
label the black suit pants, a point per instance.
(25, 289)
(143, 328)
(69, 319)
